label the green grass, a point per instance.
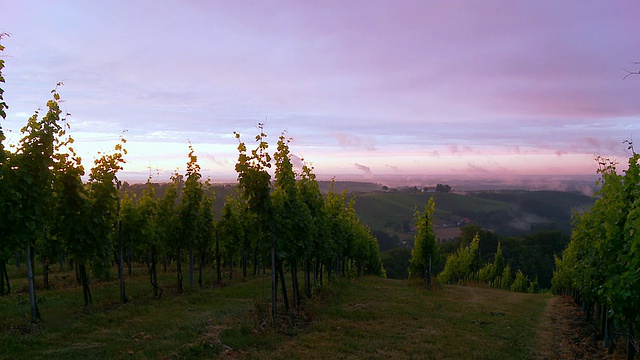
(147, 327)
(380, 318)
(365, 318)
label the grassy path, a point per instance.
(562, 333)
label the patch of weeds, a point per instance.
(21, 326)
(257, 329)
(204, 349)
(243, 337)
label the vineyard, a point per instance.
(50, 215)
(600, 267)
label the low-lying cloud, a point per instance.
(365, 169)
(347, 140)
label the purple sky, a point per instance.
(364, 87)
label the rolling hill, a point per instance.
(509, 213)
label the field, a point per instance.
(368, 317)
(379, 209)
(447, 233)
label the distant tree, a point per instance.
(131, 223)
(3, 104)
(293, 219)
(309, 193)
(255, 183)
(386, 241)
(487, 273)
(75, 222)
(10, 242)
(334, 210)
(231, 234)
(561, 283)
(521, 283)
(534, 286)
(406, 226)
(167, 226)
(148, 211)
(491, 273)
(462, 265)
(498, 265)
(424, 247)
(535, 254)
(507, 279)
(371, 264)
(488, 241)
(190, 211)
(453, 271)
(33, 165)
(105, 204)
(443, 188)
(171, 227)
(473, 261)
(207, 228)
(396, 262)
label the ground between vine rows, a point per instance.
(563, 334)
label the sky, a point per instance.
(364, 88)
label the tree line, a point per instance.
(532, 254)
(282, 221)
(478, 256)
(467, 264)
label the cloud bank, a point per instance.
(423, 86)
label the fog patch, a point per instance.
(525, 221)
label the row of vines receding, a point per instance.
(600, 267)
(47, 212)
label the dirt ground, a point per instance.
(563, 334)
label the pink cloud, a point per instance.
(430, 79)
(348, 140)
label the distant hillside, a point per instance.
(532, 226)
(382, 210)
(349, 186)
(390, 213)
(508, 213)
(537, 210)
